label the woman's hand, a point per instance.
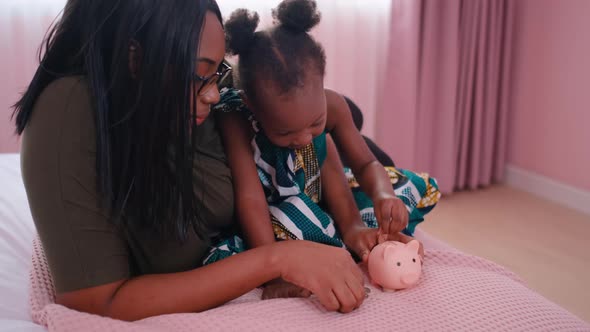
(328, 272)
(392, 214)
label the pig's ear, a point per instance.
(413, 245)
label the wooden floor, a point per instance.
(547, 244)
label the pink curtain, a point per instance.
(443, 106)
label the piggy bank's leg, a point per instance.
(374, 284)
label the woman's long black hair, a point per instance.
(144, 122)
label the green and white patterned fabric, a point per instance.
(292, 186)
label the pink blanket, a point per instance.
(457, 293)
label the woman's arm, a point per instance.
(191, 291)
(370, 174)
(251, 206)
(328, 272)
(89, 257)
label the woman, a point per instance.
(125, 173)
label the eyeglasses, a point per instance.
(207, 82)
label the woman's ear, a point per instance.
(135, 55)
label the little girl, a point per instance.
(281, 135)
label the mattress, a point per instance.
(16, 238)
(458, 292)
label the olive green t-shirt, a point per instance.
(83, 248)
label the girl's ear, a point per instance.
(135, 55)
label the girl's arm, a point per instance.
(251, 206)
(374, 181)
(340, 202)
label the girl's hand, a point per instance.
(392, 214)
(403, 238)
(328, 272)
(361, 240)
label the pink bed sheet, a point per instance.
(457, 292)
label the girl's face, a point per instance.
(209, 58)
(294, 119)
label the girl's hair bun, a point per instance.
(240, 31)
(297, 15)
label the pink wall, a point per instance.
(353, 34)
(23, 24)
(550, 116)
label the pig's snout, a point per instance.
(410, 278)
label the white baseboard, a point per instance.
(547, 188)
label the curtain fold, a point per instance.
(443, 106)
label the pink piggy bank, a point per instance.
(394, 265)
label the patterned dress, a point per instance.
(292, 186)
